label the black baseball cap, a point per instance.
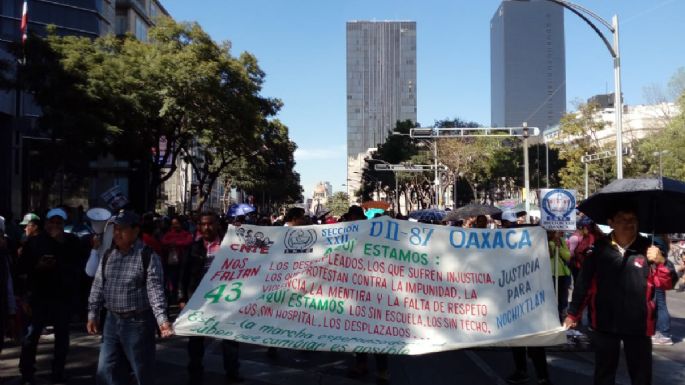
(126, 218)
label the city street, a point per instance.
(475, 366)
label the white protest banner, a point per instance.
(377, 286)
(558, 209)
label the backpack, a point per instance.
(146, 255)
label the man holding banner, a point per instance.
(379, 286)
(128, 283)
(618, 281)
(193, 269)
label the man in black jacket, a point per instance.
(50, 261)
(617, 281)
(193, 269)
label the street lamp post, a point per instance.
(436, 183)
(526, 172)
(659, 154)
(614, 50)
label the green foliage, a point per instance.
(338, 203)
(123, 96)
(669, 142)
(269, 171)
(578, 136)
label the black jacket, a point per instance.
(53, 281)
(619, 289)
(192, 270)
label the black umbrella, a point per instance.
(472, 210)
(429, 215)
(659, 203)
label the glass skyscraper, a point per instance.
(528, 64)
(381, 87)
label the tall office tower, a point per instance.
(527, 64)
(381, 87)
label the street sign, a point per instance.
(473, 131)
(407, 167)
(601, 155)
(558, 209)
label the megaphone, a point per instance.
(98, 218)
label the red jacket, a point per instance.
(619, 289)
(152, 242)
(179, 240)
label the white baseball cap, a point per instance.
(57, 213)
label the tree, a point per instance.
(396, 149)
(269, 172)
(237, 125)
(464, 156)
(670, 143)
(161, 91)
(578, 133)
(338, 203)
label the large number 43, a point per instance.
(215, 295)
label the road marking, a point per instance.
(485, 368)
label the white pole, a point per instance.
(397, 194)
(618, 102)
(526, 176)
(437, 179)
(547, 163)
(556, 269)
(586, 179)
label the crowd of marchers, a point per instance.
(52, 272)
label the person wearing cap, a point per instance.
(50, 262)
(31, 223)
(133, 295)
(618, 282)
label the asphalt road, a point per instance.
(568, 366)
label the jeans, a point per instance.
(45, 313)
(663, 319)
(129, 339)
(196, 352)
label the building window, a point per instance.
(154, 10)
(121, 24)
(141, 29)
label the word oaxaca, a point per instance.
(378, 286)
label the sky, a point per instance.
(300, 45)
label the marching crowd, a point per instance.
(51, 276)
